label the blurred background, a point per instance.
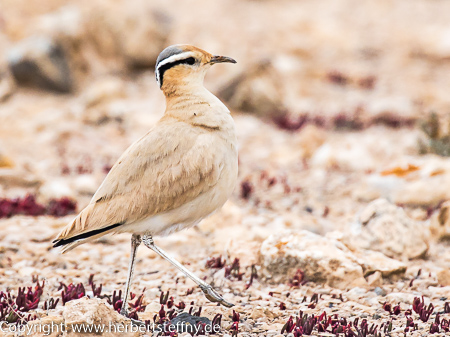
(348, 86)
(337, 104)
(77, 82)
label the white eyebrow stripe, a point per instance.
(175, 58)
(171, 59)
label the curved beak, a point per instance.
(221, 59)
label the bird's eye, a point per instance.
(190, 61)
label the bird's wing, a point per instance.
(168, 167)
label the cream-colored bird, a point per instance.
(181, 171)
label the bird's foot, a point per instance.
(136, 322)
(214, 296)
(124, 312)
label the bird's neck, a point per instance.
(180, 88)
(198, 106)
(192, 96)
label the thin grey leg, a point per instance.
(207, 289)
(135, 242)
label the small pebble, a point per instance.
(380, 291)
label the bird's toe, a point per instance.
(214, 296)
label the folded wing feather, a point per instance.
(169, 166)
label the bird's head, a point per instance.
(181, 65)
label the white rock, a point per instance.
(440, 291)
(64, 23)
(435, 42)
(356, 293)
(400, 105)
(406, 298)
(425, 185)
(27, 271)
(56, 188)
(386, 228)
(372, 261)
(424, 192)
(153, 307)
(344, 156)
(85, 184)
(323, 260)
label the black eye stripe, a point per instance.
(161, 70)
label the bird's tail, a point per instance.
(79, 232)
(67, 245)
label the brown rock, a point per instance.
(40, 62)
(7, 85)
(51, 326)
(440, 223)
(99, 101)
(134, 31)
(5, 162)
(18, 178)
(444, 277)
(375, 279)
(257, 90)
(309, 140)
(66, 26)
(104, 90)
(95, 312)
(260, 312)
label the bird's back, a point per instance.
(182, 170)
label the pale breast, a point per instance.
(190, 213)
